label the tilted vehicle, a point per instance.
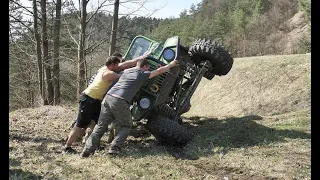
(161, 100)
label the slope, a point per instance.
(262, 85)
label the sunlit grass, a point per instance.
(260, 141)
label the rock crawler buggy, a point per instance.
(161, 100)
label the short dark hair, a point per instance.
(112, 60)
(143, 62)
(117, 54)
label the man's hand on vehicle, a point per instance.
(174, 63)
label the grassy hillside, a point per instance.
(254, 123)
(262, 85)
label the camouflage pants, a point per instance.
(114, 110)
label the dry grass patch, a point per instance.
(248, 147)
(254, 123)
(256, 85)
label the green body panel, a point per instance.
(139, 45)
(171, 43)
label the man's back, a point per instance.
(129, 83)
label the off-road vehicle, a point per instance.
(161, 100)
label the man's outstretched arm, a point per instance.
(130, 63)
(163, 69)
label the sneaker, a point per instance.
(85, 154)
(114, 150)
(100, 148)
(69, 150)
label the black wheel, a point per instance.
(221, 60)
(168, 132)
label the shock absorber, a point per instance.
(166, 110)
(194, 85)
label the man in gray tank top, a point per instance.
(116, 106)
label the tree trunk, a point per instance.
(38, 49)
(29, 89)
(56, 42)
(81, 51)
(114, 28)
(45, 53)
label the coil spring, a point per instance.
(166, 110)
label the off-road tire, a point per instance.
(168, 132)
(221, 60)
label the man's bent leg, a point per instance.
(99, 129)
(119, 139)
(123, 125)
(114, 129)
(88, 131)
(74, 133)
(82, 121)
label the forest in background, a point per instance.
(53, 54)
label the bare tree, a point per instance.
(114, 27)
(139, 6)
(49, 98)
(83, 48)
(21, 64)
(56, 42)
(81, 44)
(38, 49)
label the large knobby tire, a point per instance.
(168, 132)
(221, 60)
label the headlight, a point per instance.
(168, 54)
(144, 103)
